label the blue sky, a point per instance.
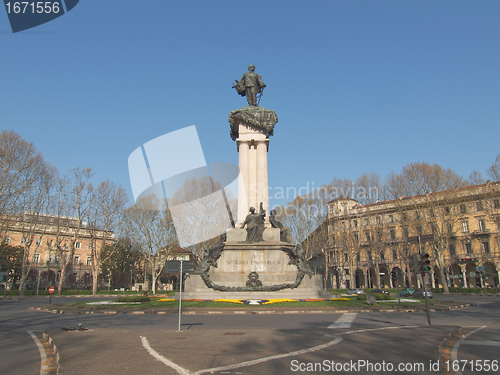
(358, 86)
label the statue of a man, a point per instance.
(255, 225)
(250, 85)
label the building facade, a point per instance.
(371, 246)
(47, 240)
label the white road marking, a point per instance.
(44, 368)
(345, 321)
(265, 359)
(162, 359)
(454, 351)
(477, 342)
(183, 371)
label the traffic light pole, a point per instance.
(424, 281)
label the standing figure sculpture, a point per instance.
(250, 85)
(255, 225)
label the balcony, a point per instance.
(481, 232)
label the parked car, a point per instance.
(406, 292)
(355, 291)
(379, 291)
(419, 293)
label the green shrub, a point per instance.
(378, 296)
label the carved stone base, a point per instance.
(261, 270)
(310, 287)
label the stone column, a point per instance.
(250, 128)
(243, 205)
(262, 182)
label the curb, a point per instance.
(251, 312)
(52, 354)
(446, 347)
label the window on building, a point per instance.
(379, 220)
(6, 239)
(449, 227)
(496, 204)
(355, 223)
(465, 226)
(391, 218)
(89, 261)
(78, 245)
(355, 235)
(382, 255)
(431, 213)
(346, 258)
(358, 257)
(367, 236)
(447, 210)
(417, 215)
(57, 260)
(36, 258)
(481, 224)
(333, 239)
(485, 246)
(479, 206)
(369, 256)
(76, 260)
(380, 234)
(468, 248)
(38, 241)
(452, 250)
(392, 233)
(463, 209)
(23, 241)
(394, 255)
(367, 221)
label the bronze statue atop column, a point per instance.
(250, 85)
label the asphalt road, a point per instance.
(363, 343)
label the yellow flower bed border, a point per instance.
(255, 302)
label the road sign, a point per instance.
(51, 289)
(174, 266)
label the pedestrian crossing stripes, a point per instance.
(345, 321)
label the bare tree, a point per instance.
(475, 178)
(201, 213)
(31, 222)
(494, 170)
(149, 225)
(74, 196)
(106, 208)
(422, 178)
(21, 166)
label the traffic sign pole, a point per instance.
(51, 290)
(180, 296)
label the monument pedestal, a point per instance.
(264, 266)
